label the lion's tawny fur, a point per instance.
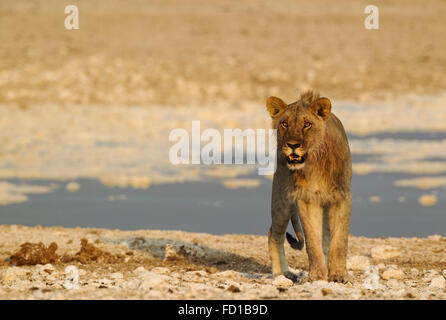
(311, 182)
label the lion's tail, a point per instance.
(298, 243)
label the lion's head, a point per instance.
(300, 127)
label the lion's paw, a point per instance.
(339, 278)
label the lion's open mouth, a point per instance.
(296, 159)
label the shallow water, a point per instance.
(379, 207)
(212, 208)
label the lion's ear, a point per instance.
(322, 107)
(275, 106)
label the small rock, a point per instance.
(429, 275)
(384, 252)
(411, 283)
(172, 253)
(319, 283)
(71, 277)
(414, 272)
(381, 266)
(139, 270)
(117, 276)
(104, 283)
(371, 281)
(132, 284)
(124, 244)
(437, 283)
(358, 263)
(435, 237)
(153, 280)
(393, 274)
(197, 273)
(395, 284)
(161, 270)
(268, 292)
(234, 289)
(282, 282)
(228, 274)
(46, 269)
(326, 291)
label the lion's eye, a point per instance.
(284, 124)
(307, 125)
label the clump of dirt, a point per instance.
(89, 253)
(34, 253)
(38, 253)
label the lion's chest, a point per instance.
(313, 189)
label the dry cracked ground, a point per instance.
(61, 263)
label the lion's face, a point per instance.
(300, 128)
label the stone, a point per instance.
(371, 281)
(197, 273)
(393, 274)
(437, 283)
(395, 284)
(268, 292)
(414, 272)
(152, 280)
(429, 275)
(384, 252)
(132, 284)
(71, 277)
(161, 270)
(381, 266)
(139, 270)
(282, 282)
(46, 269)
(117, 276)
(358, 263)
(172, 253)
(228, 274)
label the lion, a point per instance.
(311, 187)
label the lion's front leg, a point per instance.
(276, 238)
(339, 219)
(311, 219)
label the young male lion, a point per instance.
(311, 184)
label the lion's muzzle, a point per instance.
(296, 159)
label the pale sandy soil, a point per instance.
(151, 264)
(176, 52)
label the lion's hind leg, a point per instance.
(298, 243)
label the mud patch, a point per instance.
(34, 253)
(91, 254)
(37, 253)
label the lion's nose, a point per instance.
(293, 145)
